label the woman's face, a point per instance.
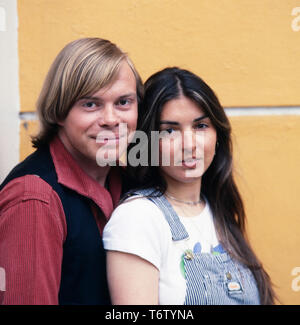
(187, 141)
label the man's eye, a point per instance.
(89, 104)
(124, 102)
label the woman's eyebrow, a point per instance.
(200, 118)
(169, 122)
(177, 123)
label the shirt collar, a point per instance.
(71, 175)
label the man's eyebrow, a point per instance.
(177, 123)
(99, 98)
(89, 98)
(128, 95)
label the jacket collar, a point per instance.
(71, 175)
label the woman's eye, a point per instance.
(201, 126)
(170, 130)
(167, 131)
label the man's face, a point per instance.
(93, 123)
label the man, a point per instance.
(54, 205)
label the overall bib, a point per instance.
(211, 279)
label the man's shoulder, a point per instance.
(37, 163)
(23, 188)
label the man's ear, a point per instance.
(61, 123)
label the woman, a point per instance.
(181, 238)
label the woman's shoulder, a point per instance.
(137, 218)
(137, 204)
(137, 226)
(138, 198)
(138, 214)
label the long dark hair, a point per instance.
(218, 185)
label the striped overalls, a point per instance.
(211, 279)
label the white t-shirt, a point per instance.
(139, 227)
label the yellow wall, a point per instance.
(245, 49)
(267, 155)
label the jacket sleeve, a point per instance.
(32, 232)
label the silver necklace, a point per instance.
(182, 201)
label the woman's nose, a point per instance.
(189, 140)
(193, 144)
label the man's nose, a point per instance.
(109, 117)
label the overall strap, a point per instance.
(177, 228)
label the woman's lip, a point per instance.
(106, 138)
(190, 163)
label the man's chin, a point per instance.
(106, 158)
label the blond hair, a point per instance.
(81, 68)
